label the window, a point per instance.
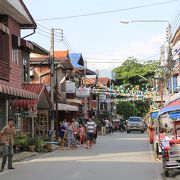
(25, 70)
(15, 56)
(15, 50)
(4, 56)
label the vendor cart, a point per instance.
(169, 141)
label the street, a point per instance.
(119, 156)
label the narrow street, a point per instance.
(119, 156)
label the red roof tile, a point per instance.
(61, 54)
(103, 81)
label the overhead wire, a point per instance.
(107, 12)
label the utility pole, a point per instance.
(85, 99)
(97, 95)
(52, 83)
(170, 57)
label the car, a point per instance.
(135, 124)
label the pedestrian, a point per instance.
(7, 135)
(70, 136)
(90, 129)
(81, 134)
(61, 134)
(103, 128)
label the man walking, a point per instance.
(7, 138)
(91, 130)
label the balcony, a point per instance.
(4, 70)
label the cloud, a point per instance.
(142, 49)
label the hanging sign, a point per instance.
(82, 92)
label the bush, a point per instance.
(21, 140)
(39, 144)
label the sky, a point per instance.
(102, 39)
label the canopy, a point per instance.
(169, 109)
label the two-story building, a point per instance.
(14, 55)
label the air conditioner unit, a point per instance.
(31, 73)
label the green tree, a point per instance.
(131, 72)
(126, 109)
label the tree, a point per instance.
(126, 109)
(134, 73)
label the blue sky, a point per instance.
(103, 37)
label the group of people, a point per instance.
(75, 133)
(110, 126)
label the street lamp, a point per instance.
(168, 38)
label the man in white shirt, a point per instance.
(91, 130)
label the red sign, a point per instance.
(32, 109)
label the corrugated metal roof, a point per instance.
(75, 58)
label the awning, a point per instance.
(11, 91)
(4, 28)
(76, 101)
(169, 109)
(66, 107)
(22, 103)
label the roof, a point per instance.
(36, 88)
(169, 109)
(104, 81)
(39, 50)
(78, 63)
(60, 57)
(44, 101)
(76, 60)
(19, 12)
(61, 54)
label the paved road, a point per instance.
(120, 156)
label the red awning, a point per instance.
(11, 91)
(22, 103)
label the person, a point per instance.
(7, 134)
(81, 134)
(70, 136)
(103, 129)
(61, 134)
(90, 129)
(65, 123)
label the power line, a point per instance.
(107, 12)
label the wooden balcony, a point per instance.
(4, 70)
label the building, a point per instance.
(14, 56)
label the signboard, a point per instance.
(82, 92)
(32, 110)
(102, 97)
(70, 87)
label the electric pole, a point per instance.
(52, 83)
(170, 62)
(85, 99)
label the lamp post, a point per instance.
(170, 62)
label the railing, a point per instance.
(4, 70)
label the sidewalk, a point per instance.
(23, 155)
(27, 154)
